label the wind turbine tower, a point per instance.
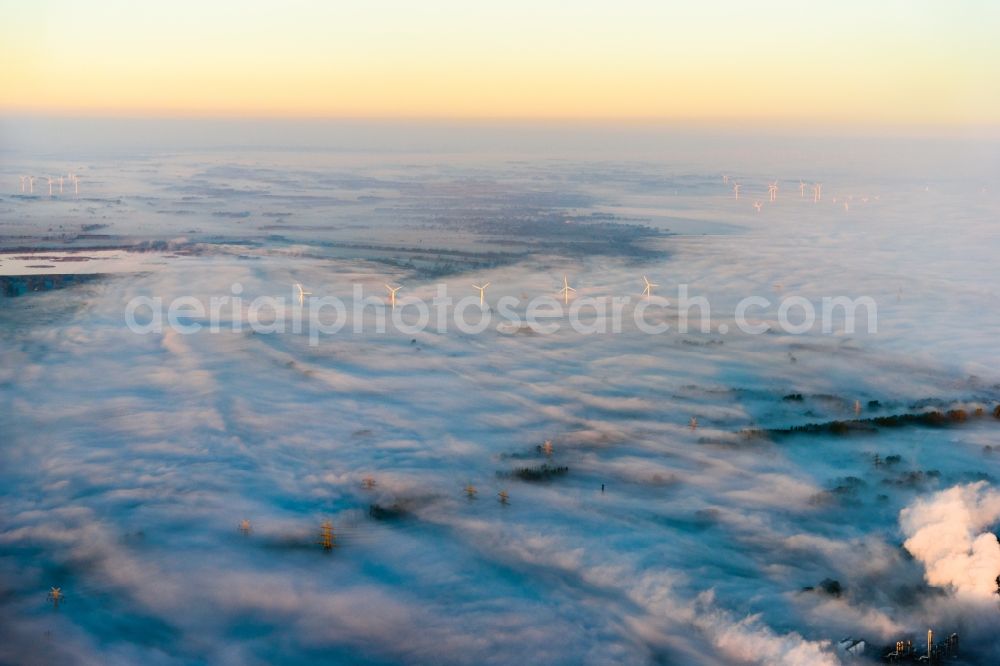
(302, 293)
(648, 291)
(482, 292)
(566, 290)
(392, 294)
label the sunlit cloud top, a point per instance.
(850, 62)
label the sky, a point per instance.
(890, 63)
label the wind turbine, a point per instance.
(392, 295)
(757, 205)
(648, 291)
(31, 184)
(725, 179)
(736, 191)
(817, 192)
(772, 191)
(50, 185)
(565, 290)
(60, 184)
(302, 293)
(482, 292)
(22, 183)
(802, 189)
(693, 424)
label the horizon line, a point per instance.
(896, 126)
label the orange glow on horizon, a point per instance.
(628, 60)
